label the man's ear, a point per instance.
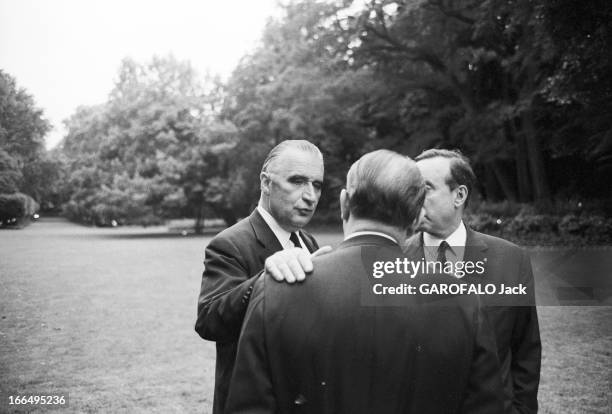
(461, 194)
(264, 182)
(344, 205)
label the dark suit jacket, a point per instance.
(516, 327)
(232, 259)
(314, 348)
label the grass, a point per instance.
(107, 316)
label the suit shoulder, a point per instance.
(498, 242)
(239, 232)
(339, 265)
(325, 266)
(414, 238)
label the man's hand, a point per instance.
(291, 265)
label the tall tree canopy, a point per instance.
(25, 166)
(128, 157)
(517, 85)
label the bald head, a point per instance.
(386, 187)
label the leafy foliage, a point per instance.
(128, 159)
(24, 165)
(16, 209)
(518, 85)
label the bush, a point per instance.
(499, 209)
(590, 229)
(528, 228)
(558, 207)
(16, 209)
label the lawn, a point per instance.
(106, 316)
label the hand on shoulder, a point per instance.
(292, 265)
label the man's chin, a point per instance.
(421, 226)
(301, 221)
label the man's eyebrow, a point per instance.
(303, 178)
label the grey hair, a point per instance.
(387, 187)
(299, 144)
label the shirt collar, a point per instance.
(370, 233)
(281, 234)
(456, 238)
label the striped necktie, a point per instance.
(295, 240)
(442, 252)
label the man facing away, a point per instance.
(450, 180)
(291, 180)
(315, 348)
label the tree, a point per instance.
(24, 164)
(582, 89)
(515, 84)
(466, 73)
(22, 126)
(10, 174)
(297, 85)
(128, 157)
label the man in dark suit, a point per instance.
(317, 348)
(450, 180)
(291, 180)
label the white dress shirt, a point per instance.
(374, 233)
(281, 234)
(456, 240)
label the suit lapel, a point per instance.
(475, 250)
(475, 246)
(264, 236)
(413, 247)
(308, 242)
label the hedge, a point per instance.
(546, 229)
(16, 209)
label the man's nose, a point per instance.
(309, 194)
(422, 213)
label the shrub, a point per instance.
(16, 208)
(590, 229)
(528, 228)
(498, 209)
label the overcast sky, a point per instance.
(66, 53)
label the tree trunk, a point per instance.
(199, 223)
(226, 214)
(535, 159)
(504, 181)
(229, 217)
(491, 189)
(523, 179)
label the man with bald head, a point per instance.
(315, 347)
(291, 179)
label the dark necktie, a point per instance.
(294, 239)
(442, 252)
